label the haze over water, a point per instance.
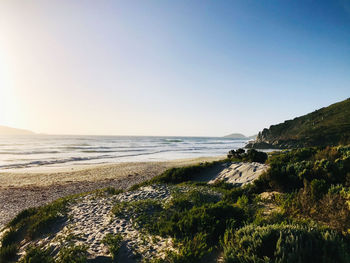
(35, 152)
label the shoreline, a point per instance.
(19, 191)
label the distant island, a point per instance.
(4, 130)
(240, 136)
(329, 126)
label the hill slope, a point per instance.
(326, 126)
(4, 130)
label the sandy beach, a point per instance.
(21, 190)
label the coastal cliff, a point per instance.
(327, 126)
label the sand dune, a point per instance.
(239, 173)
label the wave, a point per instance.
(172, 140)
(85, 147)
(78, 159)
(76, 145)
(49, 162)
(28, 153)
(71, 150)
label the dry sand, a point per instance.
(239, 173)
(22, 190)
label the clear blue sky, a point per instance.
(203, 68)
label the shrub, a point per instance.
(37, 255)
(179, 175)
(10, 237)
(288, 170)
(113, 242)
(251, 155)
(255, 156)
(233, 194)
(31, 223)
(8, 253)
(284, 243)
(193, 249)
(194, 197)
(26, 213)
(34, 222)
(318, 188)
(72, 254)
(211, 219)
(113, 191)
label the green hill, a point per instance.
(323, 127)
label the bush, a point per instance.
(331, 209)
(10, 237)
(193, 249)
(288, 170)
(37, 255)
(211, 219)
(194, 197)
(8, 253)
(26, 213)
(72, 254)
(252, 155)
(34, 222)
(255, 156)
(113, 242)
(318, 188)
(30, 224)
(284, 243)
(179, 175)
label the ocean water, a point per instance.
(49, 151)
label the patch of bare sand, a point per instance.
(237, 173)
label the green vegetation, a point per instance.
(37, 255)
(72, 254)
(107, 191)
(329, 126)
(30, 224)
(8, 252)
(250, 156)
(179, 175)
(113, 242)
(284, 243)
(297, 211)
(306, 220)
(195, 217)
(290, 171)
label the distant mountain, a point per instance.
(240, 136)
(327, 126)
(236, 136)
(4, 130)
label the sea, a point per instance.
(35, 152)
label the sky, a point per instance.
(177, 68)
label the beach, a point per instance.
(21, 190)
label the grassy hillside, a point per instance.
(324, 127)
